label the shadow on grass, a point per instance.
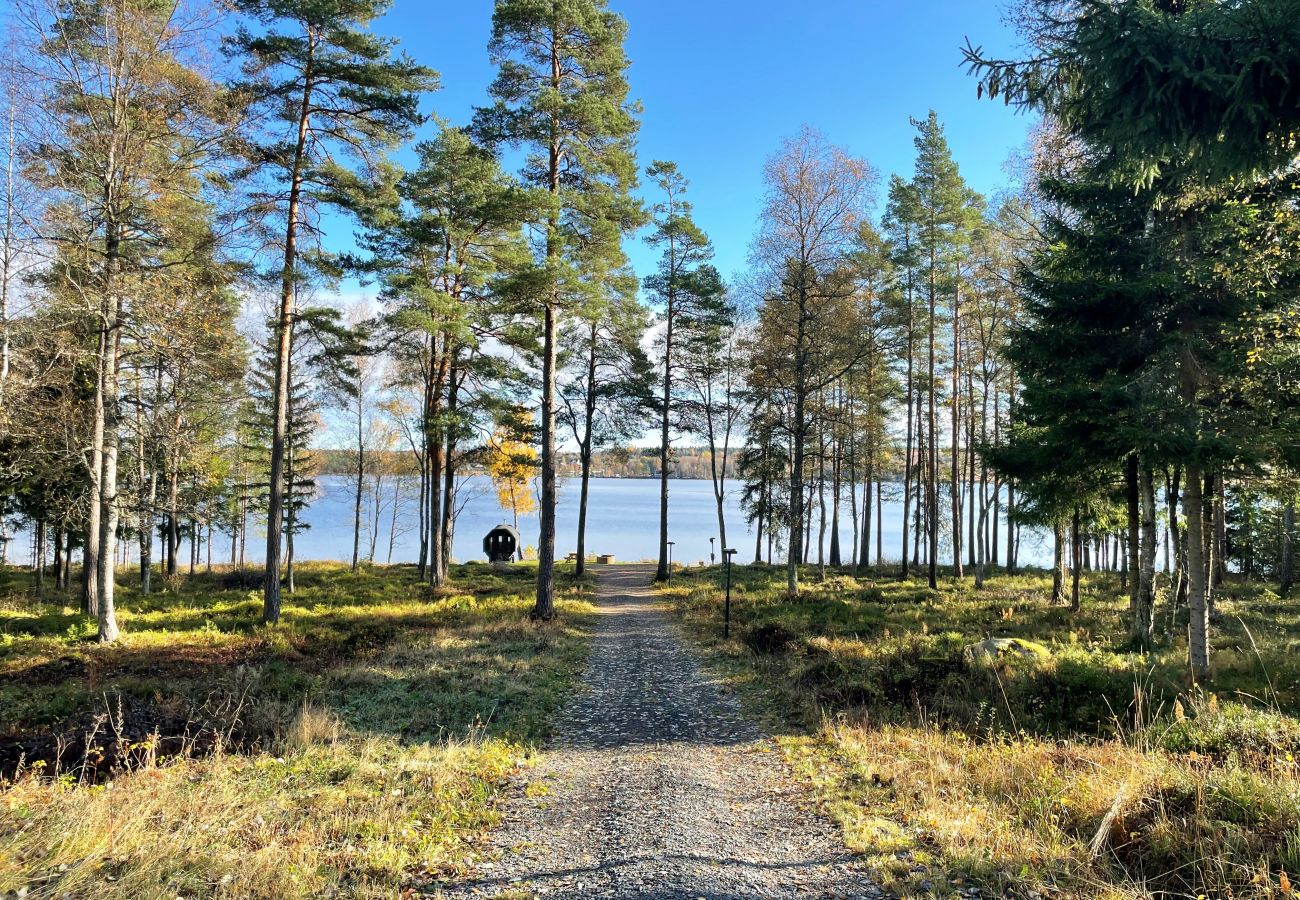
(386, 654)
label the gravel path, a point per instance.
(658, 787)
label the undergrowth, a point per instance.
(357, 745)
(1061, 764)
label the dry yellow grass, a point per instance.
(1086, 771)
(386, 722)
(359, 817)
(1080, 819)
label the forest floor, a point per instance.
(657, 787)
(1067, 767)
(372, 743)
(351, 751)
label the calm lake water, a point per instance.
(622, 519)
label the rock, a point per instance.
(995, 648)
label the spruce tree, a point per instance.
(1183, 84)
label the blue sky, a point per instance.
(722, 81)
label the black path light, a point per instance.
(712, 558)
(727, 554)
(670, 558)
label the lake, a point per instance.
(622, 520)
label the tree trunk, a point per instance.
(422, 499)
(955, 462)
(60, 574)
(434, 450)
(836, 456)
(586, 450)
(1058, 563)
(1133, 493)
(1177, 538)
(1197, 606)
(932, 489)
(880, 531)
(38, 558)
(1076, 562)
(173, 518)
(908, 448)
(544, 607)
(448, 522)
(361, 479)
(864, 557)
(1220, 531)
(665, 450)
(148, 487)
(855, 551)
(1287, 576)
(108, 375)
(283, 346)
(821, 508)
(1211, 548)
(797, 439)
(90, 552)
(1143, 562)
(146, 533)
(718, 474)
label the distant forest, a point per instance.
(619, 462)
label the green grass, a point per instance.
(374, 725)
(1076, 769)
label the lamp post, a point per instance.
(726, 609)
(670, 558)
(712, 558)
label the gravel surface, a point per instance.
(656, 786)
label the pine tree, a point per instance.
(444, 249)
(943, 210)
(871, 388)
(327, 90)
(561, 91)
(689, 294)
(322, 352)
(900, 229)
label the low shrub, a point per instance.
(769, 637)
(1233, 731)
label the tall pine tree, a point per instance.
(325, 90)
(561, 91)
(690, 299)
